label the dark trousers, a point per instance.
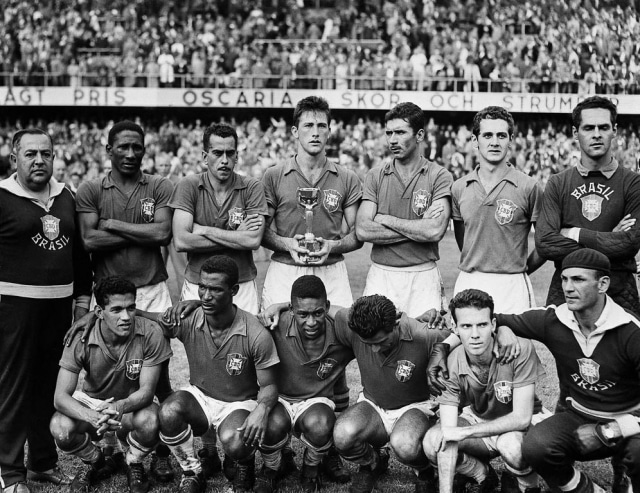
(31, 334)
(550, 448)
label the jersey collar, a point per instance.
(607, 170)
(510, 176)
(107, 181)
(292, 165)
(390, 167)
(204, 181)
(12, 186)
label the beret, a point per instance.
(587, 258)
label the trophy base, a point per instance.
(312, 246)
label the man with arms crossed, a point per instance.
(404, 213)
(220, 212)
(498, 402)
(311, 360)
(232, 387)
(42, 269)
(122, 359)
(596, 345)
(124, 220)
(493, 209)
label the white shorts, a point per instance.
(296, 409)
(511, 293)
(246, 299)
(152, 298)
(414, 290)
(390, 417)
(215, 410)
(492, 442)
(280, 277)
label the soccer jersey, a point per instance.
(384, 187)
(142, 265)
(399, 378)
(494, 398)
(300, 377)
(601, 372)
(110, 376)
(496, 224)
(596, 204)
(195, 195)
(339, 188)
(227, 373)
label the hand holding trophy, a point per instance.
(308, 198)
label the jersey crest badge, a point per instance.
(591, 206)
(505, 211)
(331, 200)
(420, 202)
(236, 216)
(235, 364)
(503, 391)
(148, 209)
(589, 370)
(133, 368)
(50, 226)
(404, 370)
(326, 367)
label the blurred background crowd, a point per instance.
(174, 149)
(586, 46)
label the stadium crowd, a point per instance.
(498, 45)
(540, 149)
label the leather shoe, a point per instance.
(54, 476)
(19, 487)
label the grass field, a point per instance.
(399, 478)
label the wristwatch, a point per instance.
(607, 432)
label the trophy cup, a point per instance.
(308, 198)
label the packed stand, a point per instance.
(497, 45)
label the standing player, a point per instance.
(124, 220)
(220, 212)
(585, 206)
(392, 354)
(497, 401)
(396, 215)
(493, 209)
(340, 194)
(41, 270)
(311, 361)
(122, 361)
(339, 199)
(232, 387)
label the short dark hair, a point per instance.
(222, 130)
(493, 113)
(591, 103)
(123, 126)
(222, 264)
(111, 285)
(308, 287)
(311, 104)
(17, 137)
(471, 298)
(410, 112)
(371, 314)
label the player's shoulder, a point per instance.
(147, 328)
(277, 170)
(254, 329)
(91, 186)
(191, 181)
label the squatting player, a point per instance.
(311, 360)
(392, 353)
(498, 402)
(596, 345)
(232, 388)
(122, 359)
(397, 216)
(493, 210)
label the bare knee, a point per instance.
(62, 429)
(278, 425)
(346, 432)
(172, 416)
(407, 446)
(509, 446)
(146, 423)
(431, 443)
(317, 427)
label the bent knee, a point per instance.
(62, 428)
(346, 433)
(430, 443)
(406, 446)
(147, 421)
(509, 446)
(171, 411)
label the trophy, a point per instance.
(308, 198)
